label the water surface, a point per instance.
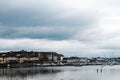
(62, 73)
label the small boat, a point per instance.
(78, 65)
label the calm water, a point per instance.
(62, 73)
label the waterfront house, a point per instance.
(70, 59)
(51, 57)
(60, 57)
(33, 57)
(3, 58)
(84, 60)
(30, 57)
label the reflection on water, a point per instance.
(24, 73)
(62, 73)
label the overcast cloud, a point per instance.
(70, 27)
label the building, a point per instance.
(30, 57)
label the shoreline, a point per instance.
(27, 65)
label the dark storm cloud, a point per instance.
(22, 17)
(32, 15)
(44, 18)
(55, 33)
(40, 21)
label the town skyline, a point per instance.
(24, 58)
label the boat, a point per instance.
(78, 65)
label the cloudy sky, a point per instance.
(70, 27)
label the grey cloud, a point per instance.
(110, 47)
(89, 35)
(42, 17)
(18, 13)
(54, 33)
(28, 21)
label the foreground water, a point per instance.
(62, 73)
